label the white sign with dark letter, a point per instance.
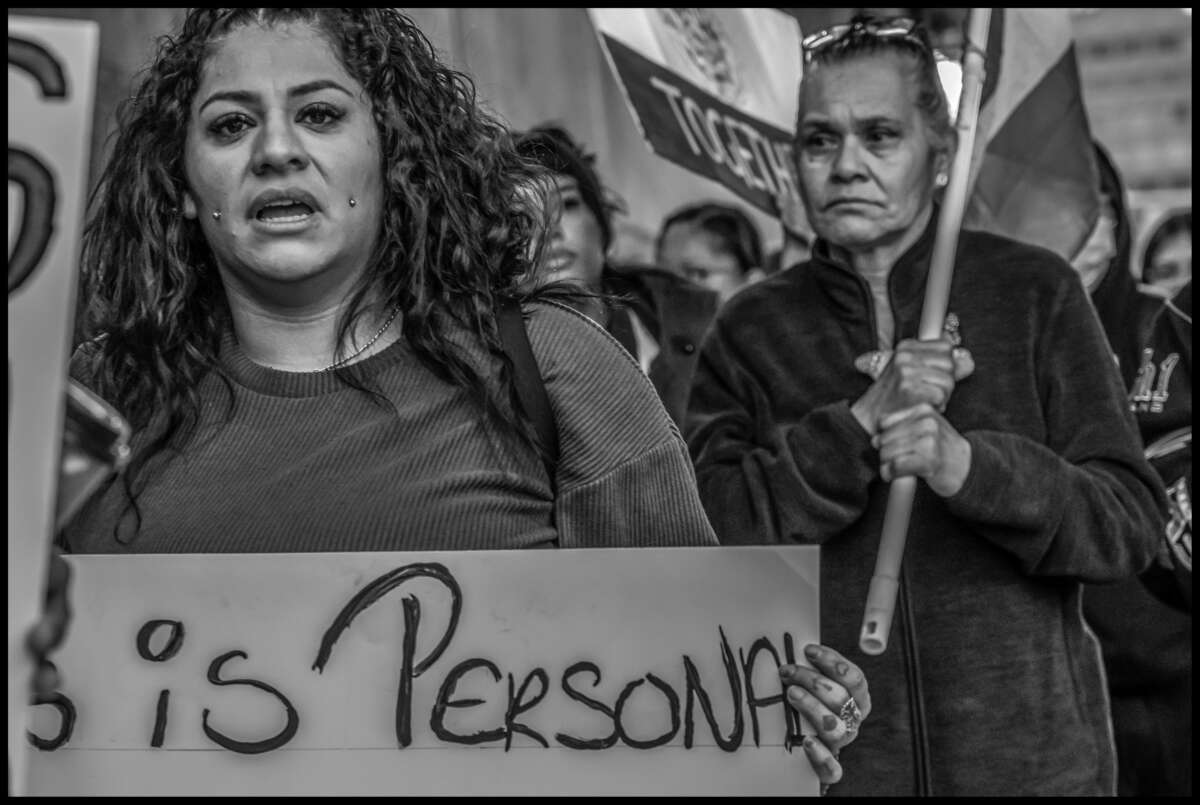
(622, 671)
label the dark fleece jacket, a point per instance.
(1146, 643)
(677, 313)
(1058, 492)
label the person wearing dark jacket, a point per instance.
(1145, 638)
(1144, 625)
(812, 394)
(658, 316)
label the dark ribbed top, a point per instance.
(309, 464)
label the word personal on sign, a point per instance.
(656, 670)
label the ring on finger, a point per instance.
(851, 716)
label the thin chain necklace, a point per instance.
(361, 349)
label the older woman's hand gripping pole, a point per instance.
(881, 597)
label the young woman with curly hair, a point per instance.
(293, 265)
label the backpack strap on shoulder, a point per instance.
(530, 387)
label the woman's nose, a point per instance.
(849, 161)
(278, 147)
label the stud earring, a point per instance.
(216, 215)
(942, 180)
(352, 201)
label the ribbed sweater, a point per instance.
(306, 463)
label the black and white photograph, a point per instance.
(599, 402)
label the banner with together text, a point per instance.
(617, 671)
(713, 90)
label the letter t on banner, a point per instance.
(51, 84)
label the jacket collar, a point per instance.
(847, 291)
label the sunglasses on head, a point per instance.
(896, 28)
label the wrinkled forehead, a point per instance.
(875, 85)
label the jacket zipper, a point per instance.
(908, 627)
(916, 695)
(912, 664)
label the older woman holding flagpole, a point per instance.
(819, 387)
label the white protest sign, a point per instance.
(713, 90)
(623, 671)
(51, 83)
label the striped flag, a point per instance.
(1034, 168)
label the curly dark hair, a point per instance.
(457, 236)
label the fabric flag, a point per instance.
(1034, 167)
(713, 90)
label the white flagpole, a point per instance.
(881, 598)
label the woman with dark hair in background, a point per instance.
(658, 317)
(714, 245)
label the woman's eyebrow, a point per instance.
(247, 97)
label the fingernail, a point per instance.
(811, 651)
(787, 670)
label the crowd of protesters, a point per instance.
(287, 290)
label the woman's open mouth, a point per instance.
(284, 212)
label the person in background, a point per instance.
(657, 315)
(1162, 401)
(813, 394)
(714, 245)
(1145, 638)
(1144, 624)
(1104, 265)
(1167, 262)
(294, 262)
